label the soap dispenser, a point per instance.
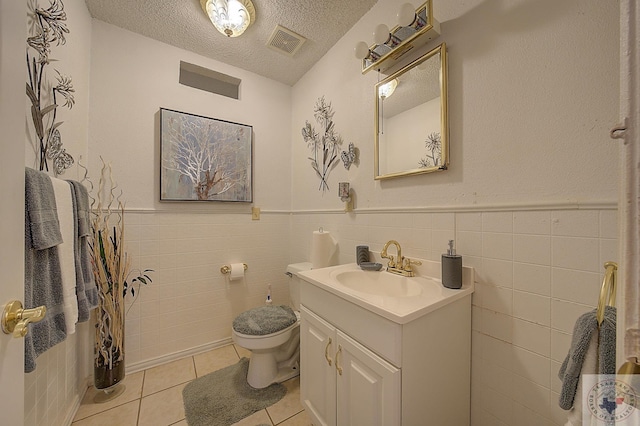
(451, 268)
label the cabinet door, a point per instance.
(317, 368)
(368, 386)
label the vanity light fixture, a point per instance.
(387, 89)
(230, 17)
(414, 28)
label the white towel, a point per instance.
(64, 205)
(589, 366)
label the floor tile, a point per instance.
(154, 397)
(257, 418)
(300, 419)
(289, 405)
(123, 415)
(168, 375)
(210, 361)
(132, 391)
(162, 408)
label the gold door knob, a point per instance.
(15, 318)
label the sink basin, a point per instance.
(397, 298)
(379, 283)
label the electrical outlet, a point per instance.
(255, 213)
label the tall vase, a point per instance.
(108, 367)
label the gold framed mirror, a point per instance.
(411, 119)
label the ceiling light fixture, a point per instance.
(230, 17)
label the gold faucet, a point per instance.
(400, 266)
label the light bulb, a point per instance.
(406, 15)
(381, 34)
(361, 50)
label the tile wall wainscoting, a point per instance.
(190, 305)
(52, 392)
(537, 270)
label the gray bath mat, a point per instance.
(224, 397)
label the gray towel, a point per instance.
(86, 290)
(264, 320)
(571, 368)
(42, 279)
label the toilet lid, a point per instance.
(264, 320)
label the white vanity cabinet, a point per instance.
(344, 383)
(358, 367)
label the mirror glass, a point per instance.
(411, 118)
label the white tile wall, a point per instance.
(536, 272)
(54, 389)
(190, 303)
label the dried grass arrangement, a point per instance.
(112, 271)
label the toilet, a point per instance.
(272, 334)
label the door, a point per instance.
(369, 388)
(317, 368)
(13, 35)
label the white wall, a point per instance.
(530, 195)
(54, 389)
(134, 76)
(530, 84)
(190, 304)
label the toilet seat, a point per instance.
(264, 320)
(266, 341)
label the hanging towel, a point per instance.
(62, 191)
(572, 367)
(86, 290)
(589, 366)
(42, 276)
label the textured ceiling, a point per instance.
(183, 23)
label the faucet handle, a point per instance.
(408, 262)
(392, 261)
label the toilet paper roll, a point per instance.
(323, 245)
(237, 271)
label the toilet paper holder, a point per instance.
(226, 269)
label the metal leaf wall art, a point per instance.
(324, 143)
(48, 29)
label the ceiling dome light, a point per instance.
(230, 17)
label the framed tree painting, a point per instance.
(204, 159)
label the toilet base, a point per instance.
(264, 370)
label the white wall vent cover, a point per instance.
(285, 41)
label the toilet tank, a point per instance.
(294, 282)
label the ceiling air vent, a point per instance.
(285, 41)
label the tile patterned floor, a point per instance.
(154, 396)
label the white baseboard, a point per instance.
(154, 362)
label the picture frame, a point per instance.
(204, 159)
